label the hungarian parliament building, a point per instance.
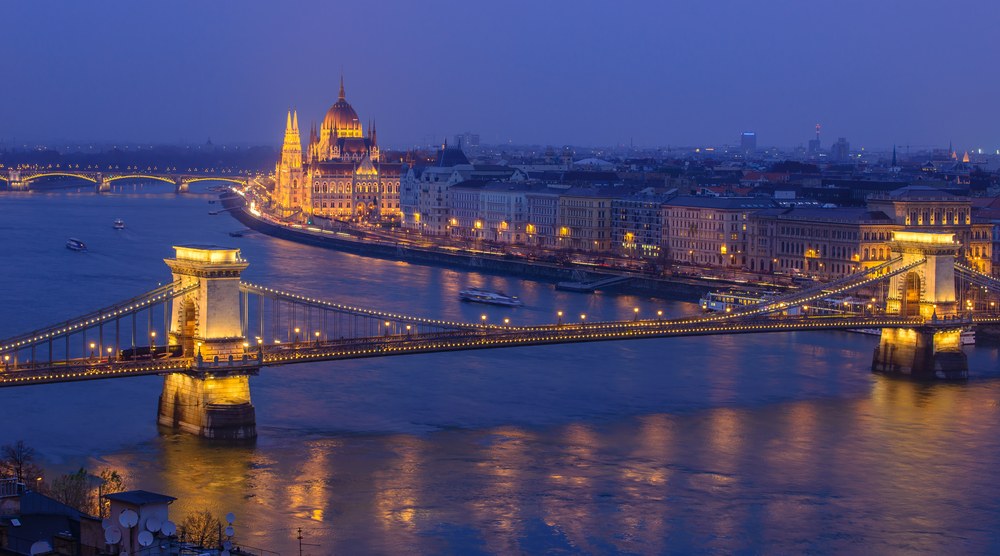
(341, 175)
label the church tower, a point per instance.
(291, 190)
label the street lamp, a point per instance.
(296, 334)
(316, 334)
(152, 343)
(483, 317)
(636, 311)
(559, 314)
(407, 329)
(583, 319)
(387, 323)
(91, 350)
(659, 314)
(109, 354)
(506, 322)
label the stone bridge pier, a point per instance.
(101, 184)
(180, 186)
(934, 350)
(212, 399)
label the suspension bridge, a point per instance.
(207, 331)
(17, 179)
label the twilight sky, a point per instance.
(656, 72)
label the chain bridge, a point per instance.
(21, 179)
(207, 331)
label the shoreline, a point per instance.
(686, 289)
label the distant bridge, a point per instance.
(207, 331)
(21, 179)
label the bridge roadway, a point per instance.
(483, 337)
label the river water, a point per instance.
(778, 443)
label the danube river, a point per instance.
(781, 443)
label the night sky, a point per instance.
(919, 73)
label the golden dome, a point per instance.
(341, 116)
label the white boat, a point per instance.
(734, 300)
(486, 296)
(118, 224)
(75, 244)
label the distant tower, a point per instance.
(894, 156)
(290, 191)
(814, 145)
(748, 143)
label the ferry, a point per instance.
(493, 298)
(75, 244)
(118, 224)
(731, 300)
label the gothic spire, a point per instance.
(341, 97)
(295, 120)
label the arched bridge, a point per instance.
(207, 331)
(21, 179)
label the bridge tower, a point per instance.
(932, 350)
(14, 180)
(213, 398)
(101, 183)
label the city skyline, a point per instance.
(647, 75)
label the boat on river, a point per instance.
(74, 244)
(493, 298)
(118, 224)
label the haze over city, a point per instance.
(653, 74)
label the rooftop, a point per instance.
(140, 497)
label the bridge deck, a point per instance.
(485, 337)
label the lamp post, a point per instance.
(316, 335)
(109, 354)
(659, 314)
(152, 343)
(91, 350)
(387, 323)
(583, 319)
(296, 340)
(506, 322)
(636, 311)
(559, 314)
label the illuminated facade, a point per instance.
(341, 175)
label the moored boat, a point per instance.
(75, 244)
(490, 297)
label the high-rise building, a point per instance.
(841, 150)
(467, 140)
(341, 176)
(748, 143)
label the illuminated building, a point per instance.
(710, 231)
(341, 175)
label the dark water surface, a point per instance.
(780, 443)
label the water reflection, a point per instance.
(783, 442)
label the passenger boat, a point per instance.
(486, 296)
(118, 224)
(734, 300)
(75, 244)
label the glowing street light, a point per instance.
(506, 322)
(583, 319)
(636, 311)
(659, 314)
(91, 350)
(559, 314)
(109, 354)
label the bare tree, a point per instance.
(73, 490)
(111, 481)
(202, 528)
(18, 460)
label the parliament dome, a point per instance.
(341, 116)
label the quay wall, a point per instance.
(674, 288)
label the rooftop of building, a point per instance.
(726, 203)
(140, 497)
